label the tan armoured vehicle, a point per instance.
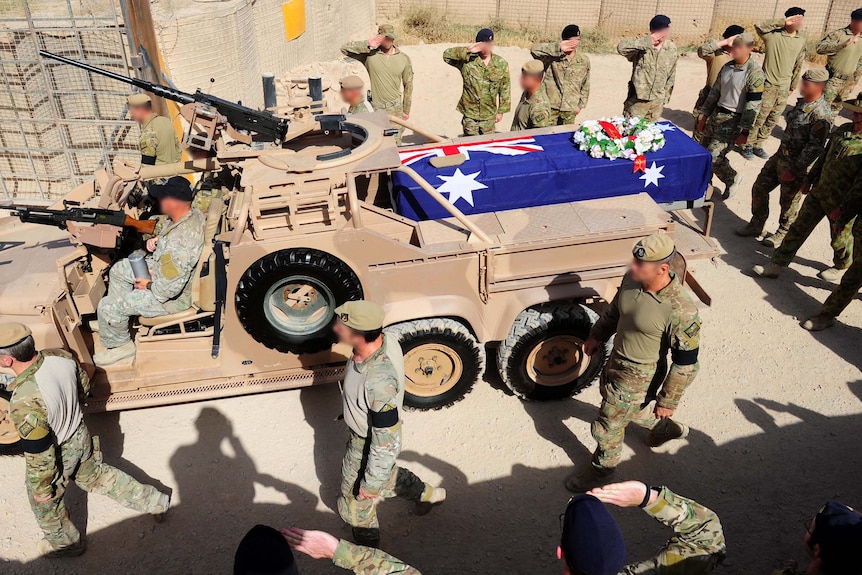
(301, 227)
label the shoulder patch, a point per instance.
(693, 329)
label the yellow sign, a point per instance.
(294, 18)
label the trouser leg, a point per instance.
(810, 214)
(720, 164)
(771, 107)
(851, 282)
(767, 180)
(842, 246)
(356, 512)
(393, 109)
(565, 117)
(835, 91)
(789, 201)
(53, 519)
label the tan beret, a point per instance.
(816, 75)
(744, 39)
(139, 99)
(654, 248)
(360, 315)
(534, 67)
(387, 30)
(352, 82)
(12, 333)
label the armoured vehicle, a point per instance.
(298, 223)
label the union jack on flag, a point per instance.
(504, 147)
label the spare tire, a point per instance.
(286, 300)
(10, 441)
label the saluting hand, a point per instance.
(728, 41)
(315, 544)
(658, 37)
(793, 20)
(625, 494)
(568, 46)
(375, 41)
(477, 47)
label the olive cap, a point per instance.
(854, 105)
(12, 333)
(139, 99)
(533, 67)
(352, 82)
(654, 248)
(744, 39)
(387, 30)
(816, 75)
(360, 315)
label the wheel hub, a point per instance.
(432, 369)
(298, 305)
(557, 360)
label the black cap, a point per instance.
(838, 531)
(175, 187)
(264, 551)
(485, 35)
(856, 14)
(733, 30)
(571, 31)
(794, 11)
(659, 22)
(592, 542)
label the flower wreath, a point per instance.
(619, 137)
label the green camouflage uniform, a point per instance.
(373, 394)
(533, 111)
(171, 267)
(653, 75)
(723, 125)
(808, 127)
(781, 66)
(844, 59)
(213, 185)
(368, 561)
(715, 58)
(635, 373)
(363, 107)
(486, 91)
(51, 466)
(158, 142)
(836, 171)
(567, 81)
(697, 546)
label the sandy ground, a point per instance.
(775, 416)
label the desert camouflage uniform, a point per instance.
(723, 126)
(567, 81)
(697, 546)
(715, 58)
(808, 127)
(363, 107)
(171, 267)
(844, 59)
(653, 75)
(486, 91)
(213, 185)
(533, 111)
(837, 170)
(368, 561)
(77, 459)
(158, 142)
(629, 385)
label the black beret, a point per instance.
(794, 11)
(571, 31)
(838, 531)
(733, 30)
(659, 22)
(592, 542)
(485, 35)
(856, 14)
(264, 551)
(176, 187)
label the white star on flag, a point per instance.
(652, 175)
(460, 186)
(666, 127)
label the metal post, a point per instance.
(269, 97)
(315, 92)
(142, 38)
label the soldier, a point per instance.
(833, 177)
(785, 52)
(373, 394)
(832, 539)
(389, 70)
(592, 543)
(175, 252)
(567, 75)
(487, 92)
(353, 94)
(534, 109)
(653, 61)
(844, 53)
(46, 410)
(716, 53)
(158, 141)
(651, 314)
(808, 126)
(730, 110)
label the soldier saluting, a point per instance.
(844, 53)
(567, 75)
(653, 61)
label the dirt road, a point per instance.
(775, 416)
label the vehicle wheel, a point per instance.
(542, 358)
(10, 441)
(442, 361)
(286, 300)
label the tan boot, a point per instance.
(832, 275)
(113, 355)
(667, 431)
(161, 511)
(750, 230)
(430, 497)
(48, 551)
(819, 322)
(732, 188)
(768, 271)
(774, 240)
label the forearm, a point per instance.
(708, 49)
(456, 56)
(165, 290)
(42, 472)
(711, 101)
(631, 49)
(357, 50)
(749, 115)
(766, 26)
(797, 71)
(382, 453)
(505, 97)
(830, 45)
(585, 92)
(363, 560)
(678, 379)
(696, 528)
(407, 102)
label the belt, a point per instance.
(834, 74)
(726, 111)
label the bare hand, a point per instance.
(498, 118)
(569, 46)
(141, 283)
(741, 140)
(315, 544)
(663, 412)
(364, 495)
(38, 499)
(728, 41)
(477, 47)
(152, 243)
(806, 187)
(793, 20)
(658, 37)
(701, 123)
(854, 39)
(786, 177)
(375, 41)
(625, 494)
(591, 346)
(577, 111)
(405, 116)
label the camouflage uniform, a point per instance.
(633, 379)
(533, 111)
(653, 75)
(363, 107)
(368, 561)
(697, 546)
(567, 81)
(724, 125)
(53, 459)
(171, 267)
(838, 169)
(808, 127)
(373, 394)
(715, 58)
(486, 91)
(213, 185)
(844, 58)
(158, 141)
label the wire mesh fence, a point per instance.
(58, 124)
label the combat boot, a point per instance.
(666, 430)
(588, 479)
(113, 355)
(768, 271)
(732, 188)
(48, 551)
(747, 153)
(161, 512)
(819, 322)
(367, 536)
(430, 497)
(750, 230)
(774, 240)
(832, 275)
(760, 153)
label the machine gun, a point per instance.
(268, 127)
(34, 215)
